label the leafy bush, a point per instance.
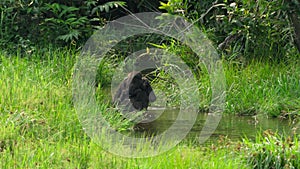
(251, 29)
(27, 23)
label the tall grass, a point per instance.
(263, 88)
(272, 150)
(39, 126)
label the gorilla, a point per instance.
(134, 93)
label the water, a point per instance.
(232, 126)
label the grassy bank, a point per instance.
(39, 126)
(264, 88)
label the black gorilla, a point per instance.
(134, 93)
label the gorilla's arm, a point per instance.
(147, 87)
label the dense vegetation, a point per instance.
(40, 40)
(239, 28)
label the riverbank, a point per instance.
(39, 126)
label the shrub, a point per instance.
(250, 29)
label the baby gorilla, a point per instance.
(135, 89)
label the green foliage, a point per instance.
(263, 88)
(14, 24)
(169, 86)
(166, 89)
(105, 72)
(271, 150)
(64, 24)
(24, 24)
(106, 7)
(250, 29)
(111, 115)
(174, 6)
(253, 87)
(39, 125)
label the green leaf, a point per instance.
(71, 20)
(106, 8)
(74, 34)
(67, 10)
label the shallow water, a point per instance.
(232, 126)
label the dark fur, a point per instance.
(135, 92)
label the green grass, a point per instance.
(263, 88)
(253, 87)
(272, 150)
(39, 126)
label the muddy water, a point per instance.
(231, 126)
